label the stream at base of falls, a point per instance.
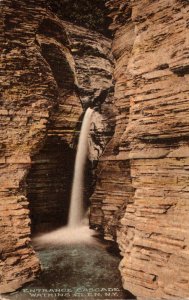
(82, 270)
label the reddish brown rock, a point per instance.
(152, 134)
(141, 196)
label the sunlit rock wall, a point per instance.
(114, 189)
(151, 48)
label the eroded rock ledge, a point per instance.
(142, 192)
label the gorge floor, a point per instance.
(76, 271)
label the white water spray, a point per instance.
(76, 231)
(76, 211)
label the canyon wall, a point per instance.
(142, 194)
(42, 104)
(52, 71)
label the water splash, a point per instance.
(76, 211)
(77, 231)
(66, 236)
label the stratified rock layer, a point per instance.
(25, 106)
(114, 189)
(151, 47)
(41, 112)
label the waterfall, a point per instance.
(76, 211)
(76, 232)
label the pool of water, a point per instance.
(76, 271)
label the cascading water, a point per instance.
(76, 231)
(76, 212)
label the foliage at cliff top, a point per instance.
(91, 14)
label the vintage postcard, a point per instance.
(94, 149)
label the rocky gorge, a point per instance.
(138, 85)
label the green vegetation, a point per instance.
(91, 14)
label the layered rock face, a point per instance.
(114, 188)
(25, 106)
(41, 112)
(150, 144)
(50, 70)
